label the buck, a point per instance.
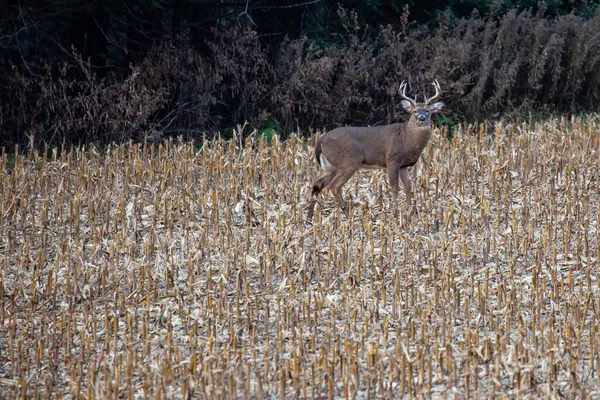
(343, 151)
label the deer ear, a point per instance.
(406, 105)
(436, 107)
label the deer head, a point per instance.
(421, 112)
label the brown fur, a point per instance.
(361, 147)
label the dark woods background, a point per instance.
(74, 71)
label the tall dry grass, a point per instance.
(166, 272)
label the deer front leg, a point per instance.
(406, 185)
(393, 171)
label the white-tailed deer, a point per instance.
(343, 151)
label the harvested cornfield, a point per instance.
(170, 271)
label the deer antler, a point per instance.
(402, 92)
(438, 90)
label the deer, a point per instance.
(396, 147)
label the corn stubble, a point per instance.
(165, 272)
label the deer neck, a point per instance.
(419, 134)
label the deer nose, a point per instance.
(422, 118)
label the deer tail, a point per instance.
(318, 150)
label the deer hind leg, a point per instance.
(321, 182)
(336, 186)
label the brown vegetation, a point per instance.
(161, 272)
(488, 69)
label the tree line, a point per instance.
(77, 70)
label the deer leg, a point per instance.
(406, 185)
(393, 172)
(336, 187)
(321, 182)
